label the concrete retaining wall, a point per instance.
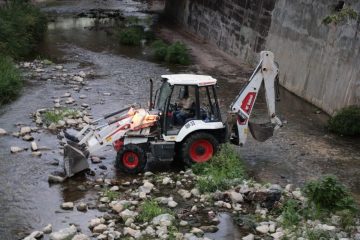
(318, 62)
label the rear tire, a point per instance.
(199, 148)
(131, 159)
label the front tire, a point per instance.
(199, 148)
(131, 159)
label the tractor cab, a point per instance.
(184, 99)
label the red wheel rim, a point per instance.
(201, 151)
(130, 160)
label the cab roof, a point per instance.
(189, 79)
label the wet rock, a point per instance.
(78, 79)
(34, 146)
(102, 207)
(147, 187)
(85, 105)
(34, 235)
(47, 229)
(210, 229)
(70, 100)
(25, 130)
(277, 235)
(128, 214)
(67, 206)
(82, 96)
(163, 220)
(132, 232)
(15, 149)
(100, 228)
(249, 237)
(102, 237)
(95, 221)
(103, 167)
(148, 174)
(172, 204)
(87, 119)
(36, 154)
(184, 193)
(129, 221)
(197, 232)
(28, 137)
(82, 207)
(80, 237)
(57, 105)
(55, 179)
(262, 229)
(64, 234)
(236, 197)
(52, 126)
(82, 74)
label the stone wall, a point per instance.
(318, 62)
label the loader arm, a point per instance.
(241, 109)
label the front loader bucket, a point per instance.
(75, 160)
(261, 132)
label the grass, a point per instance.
(11, 81)
(315, 234)
(347, 219)
(22, 26)
(111, 195)
(346, 122)
(54, 116)
(328, 194)
(131, 36)
(290, 214)
(176, 53)
(150, 209)
(224, 170)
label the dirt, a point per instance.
(300, 151)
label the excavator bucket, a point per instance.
(75, 159)
(261, 132)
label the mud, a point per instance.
(301, 150)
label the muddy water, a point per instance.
(300, 150)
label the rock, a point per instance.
(114, 188)
(210, 229)
(128, 214)
(262, 229)
(297, 194)
(223, 204)
(277, 235)
(249, 237)
(183, 223)
(28, 137)
(132, 232)
(104, 200)
(2, 132)
(85, 105)
(163, 220)
(184, 193)
(67, 205)
(197, 232)
(71, 122)
(47, 229)
(107, 94)
(167, 180)
(82, 74)
(172, 204)
(102, 237)
(117, 207)
(147, 187)
(272, 227)
(70, 100)
(64, 234)
(59, 67)
(15, 149)
(195, 192)
(100, 228)
(325, 227)
(25, 130)
(78, 79)
(80, 236)
(87, 119)
(36, 154)
(34, 146)
(236, 197)
(82, 207)
(52, 126)
(95, 221)
(129, 221)
(82, 96)
(57, 105)
(149, 231)
(148, 174)
(55, 179)
(34, 235)
(194, 209)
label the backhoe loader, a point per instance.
(170, 130)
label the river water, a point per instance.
(300, 151)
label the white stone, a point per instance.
(94, 222)
(194, 208)
(2, 132)
(163, 220)
(128, 214)
(100, 228)
(262, 229)
(277, 235)
(249, 237)
(197, 232)
(114, 188)
(67, 205)
(71, 122)
(80, 236)
(15, 149)
(325, 227)
(172, 204)
(47, 229)
(25, 130)
(167, 180)
(148, 174)
(195, 192)
(147, 187)
(129, 221)
(34, 146)
(104, 200)
(132, 232)
(236, 197)
(183, 223)
(82, 74)
(82, 207)
(70, 100)
(82, 96)
(64, 234)
(78, 79)
(184, 193)
(149, 231)
(117, 207)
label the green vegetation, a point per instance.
(22, 26)
(347, 219)
(54, 116)
(131, 36)
(224, 170)
(176, 53)
(150, 209)
(111, 195)
(315, 234)
(10, 80)
(329, 195)
(346, 122)
(290, 214)
(344, 15)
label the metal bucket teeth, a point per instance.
(75, 160)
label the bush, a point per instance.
(175, 53)
(346, 122)
(131, 36)
(10, 80)
(22, 26)
(329, 194)
(290, 213)
(224, 169)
